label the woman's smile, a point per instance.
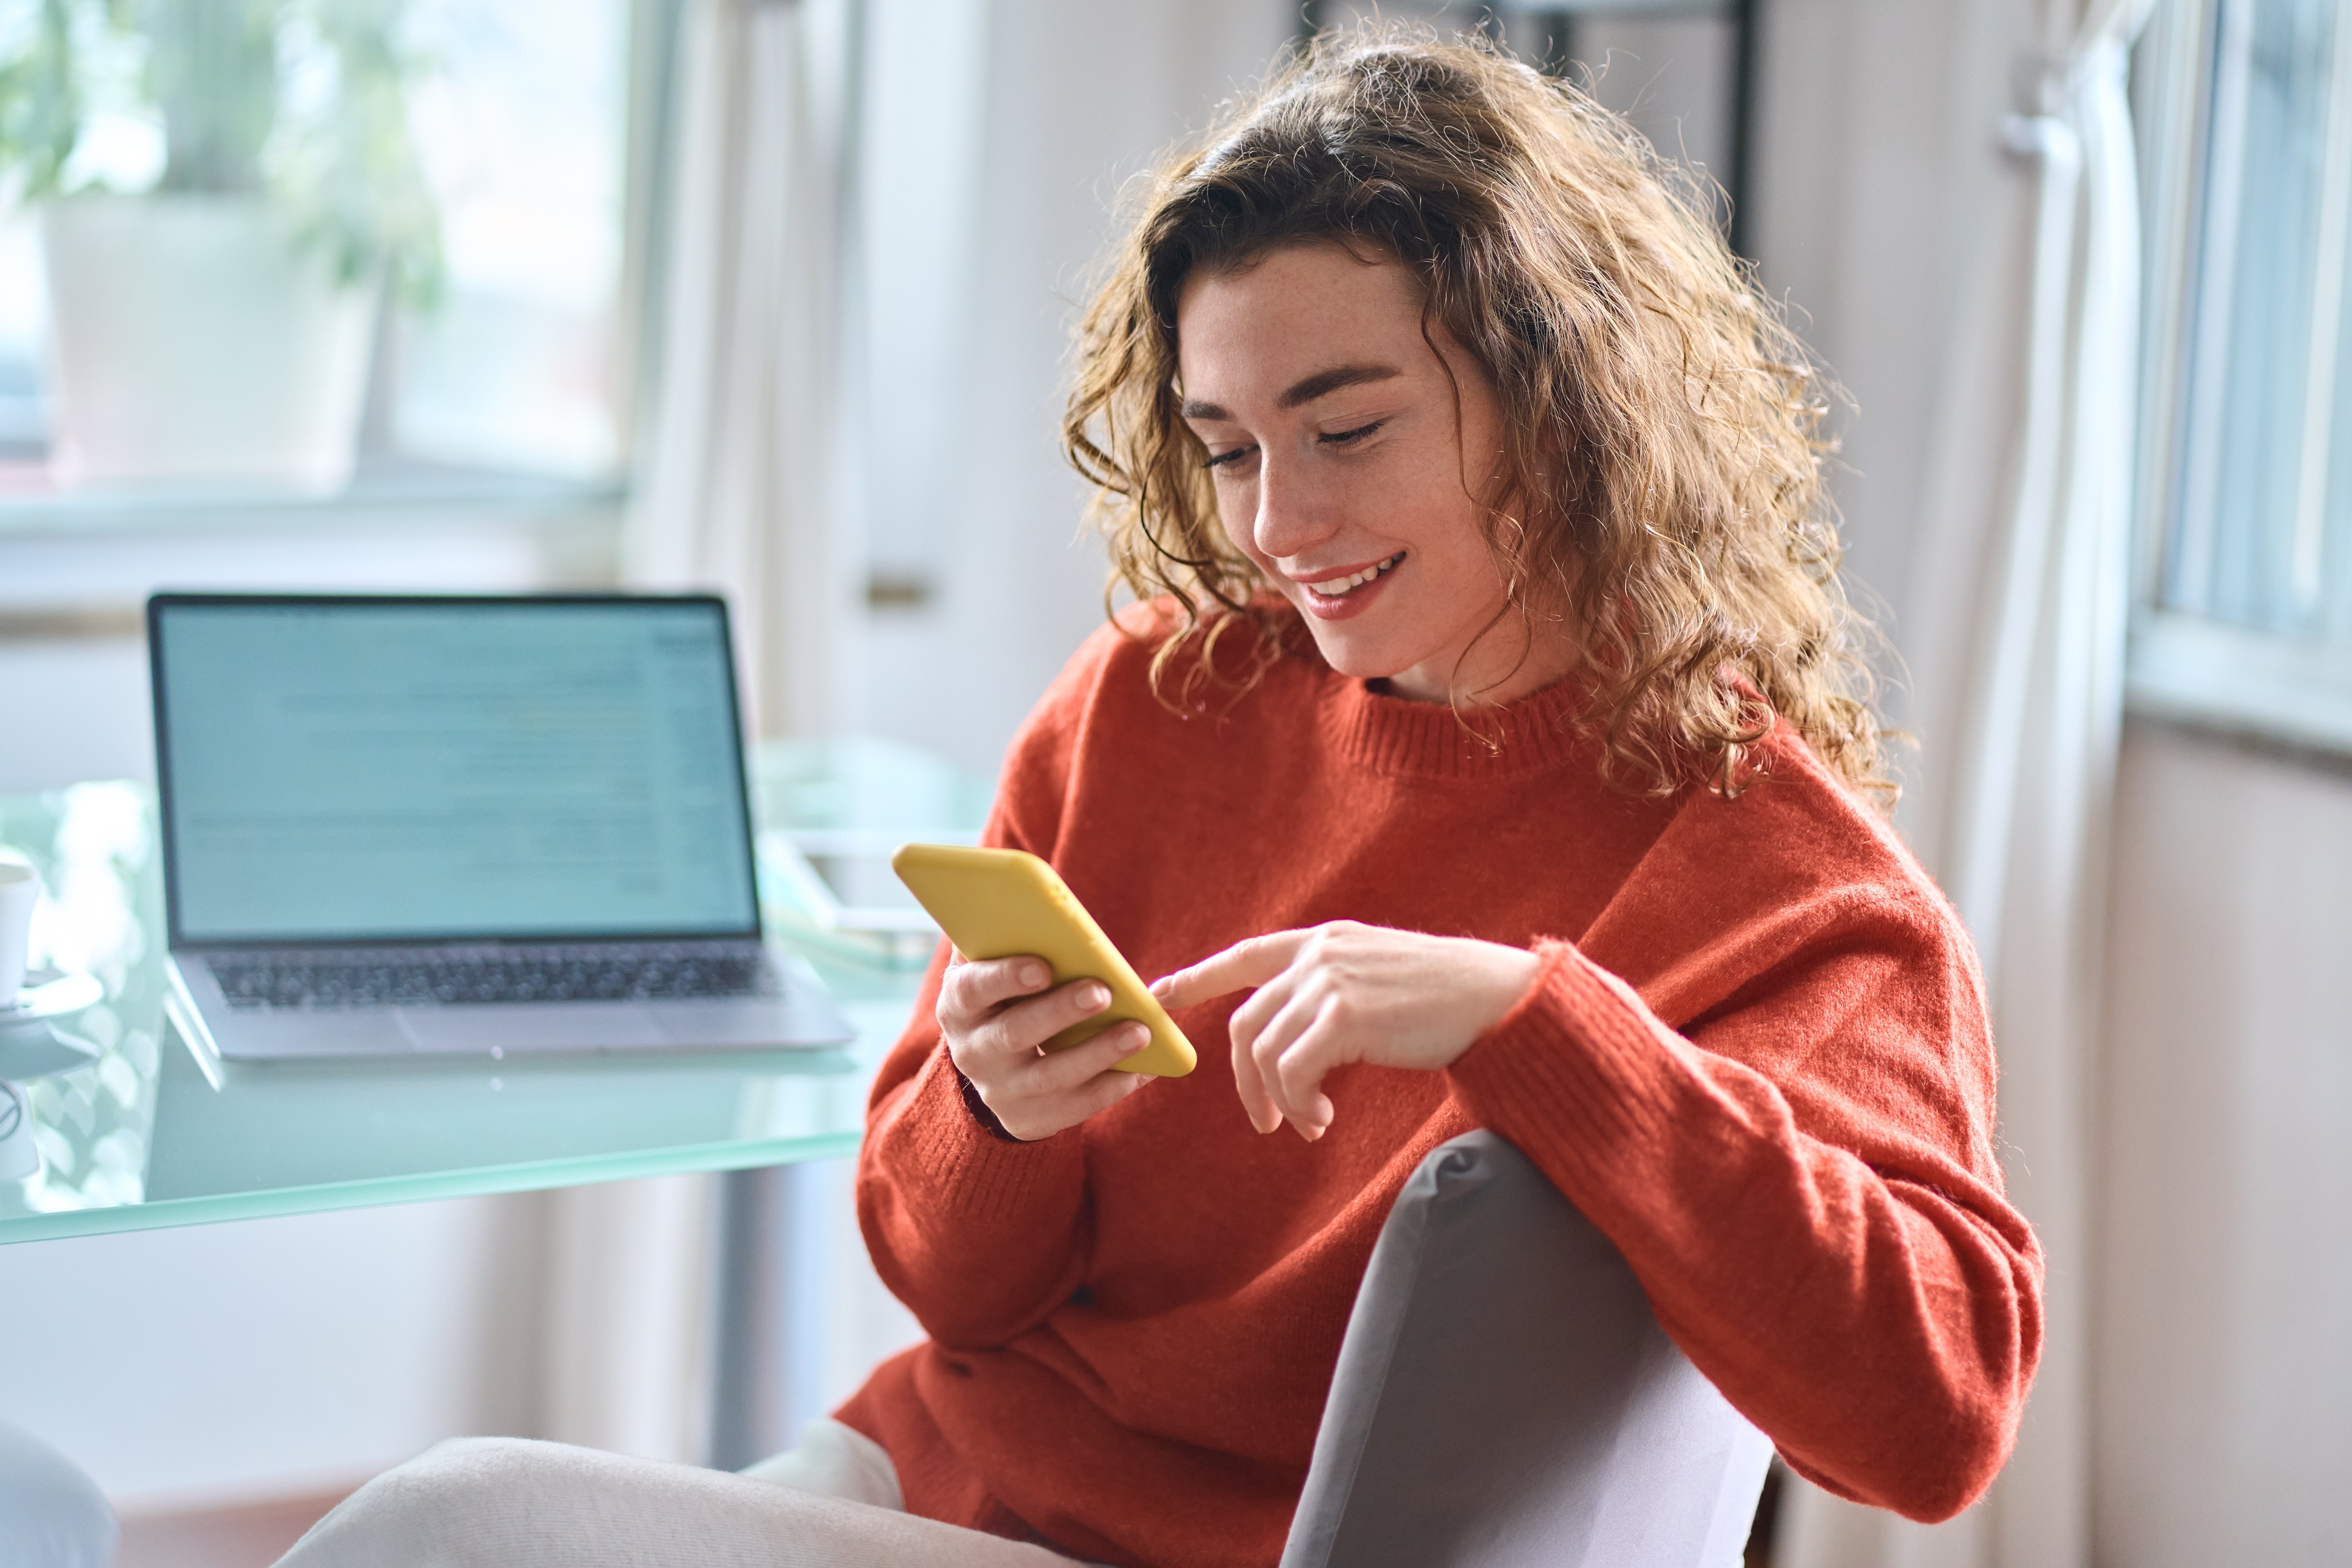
(1349, 591)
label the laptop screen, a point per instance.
(419, 769)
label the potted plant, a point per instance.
(216, 327)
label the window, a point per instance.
(2245, 110)
(320, 249)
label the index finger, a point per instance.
(1251, 961)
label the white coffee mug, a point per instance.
(20, 889)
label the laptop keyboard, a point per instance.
(292, 981)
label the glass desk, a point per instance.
(142, 1138)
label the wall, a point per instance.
(1081, 96)
(73, 706)
(2223, 1371)
(268, 1358)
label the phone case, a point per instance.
(1006, 903)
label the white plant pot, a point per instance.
(190, 343)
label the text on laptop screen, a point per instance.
(453, 770)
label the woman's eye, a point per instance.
(1348, 437)
(1225, 459)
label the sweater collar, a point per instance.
(1431, 740)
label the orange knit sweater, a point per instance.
(1756, 1058)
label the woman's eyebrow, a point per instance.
(1321, 383)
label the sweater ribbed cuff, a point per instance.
(979, 1175)
(979, 1108)
(1575, 1075)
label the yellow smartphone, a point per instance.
(1007, 903)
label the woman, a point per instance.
(1488, 748)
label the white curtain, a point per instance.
(741, 492)
(2016, 646)
(744, 487)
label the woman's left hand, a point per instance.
(1347, 992)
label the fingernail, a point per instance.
(1164, 985)
(1094, 998)
(1034, 975)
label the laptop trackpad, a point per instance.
(537, 1026)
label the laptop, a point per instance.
(460, 826)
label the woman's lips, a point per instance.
(1367, 583)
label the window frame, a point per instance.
(583, 517)
(2184, 666)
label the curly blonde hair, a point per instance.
(1661, 492)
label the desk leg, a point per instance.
(767, 1353)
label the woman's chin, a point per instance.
(1362, 658)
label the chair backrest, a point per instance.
(1505, 1397)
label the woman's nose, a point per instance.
(1293, 513)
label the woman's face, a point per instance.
(1348, 469)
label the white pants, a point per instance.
(508, 1503)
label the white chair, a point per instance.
(1505, 1397)
(51, 1515)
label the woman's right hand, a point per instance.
(997, 1013)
